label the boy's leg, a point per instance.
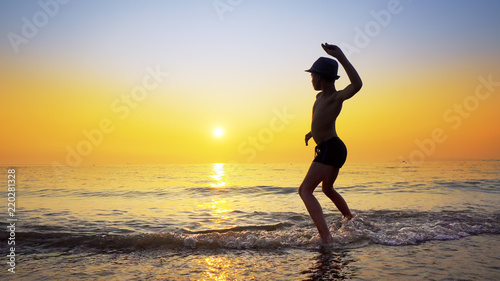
(337, 199)
(316, 174)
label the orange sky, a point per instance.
(72, 102)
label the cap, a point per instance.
(325, 67)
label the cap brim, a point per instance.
(322, 74)
(313, 71)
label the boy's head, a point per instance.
(326, 68)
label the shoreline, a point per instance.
(469, 258)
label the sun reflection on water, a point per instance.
(218, 177)
(219, 211)
(219, 268)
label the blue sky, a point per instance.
(127, 33)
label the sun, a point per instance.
(218, 132)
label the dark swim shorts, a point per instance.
(331, 152)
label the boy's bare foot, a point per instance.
(328, 241)
(348, 217)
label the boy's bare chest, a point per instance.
(326, 105)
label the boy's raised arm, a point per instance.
(353, 75)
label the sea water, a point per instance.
(433, 221)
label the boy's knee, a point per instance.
(327, 189)
(300, 190)
(303, 192)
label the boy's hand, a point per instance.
(308, 136)
(333, 50)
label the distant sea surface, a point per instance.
(435, 221)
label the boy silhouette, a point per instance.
(331, 152)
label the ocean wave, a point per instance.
(386, 227)
(476, 185)
(369, 187)
(159, 192)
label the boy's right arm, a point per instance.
(353, 75)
